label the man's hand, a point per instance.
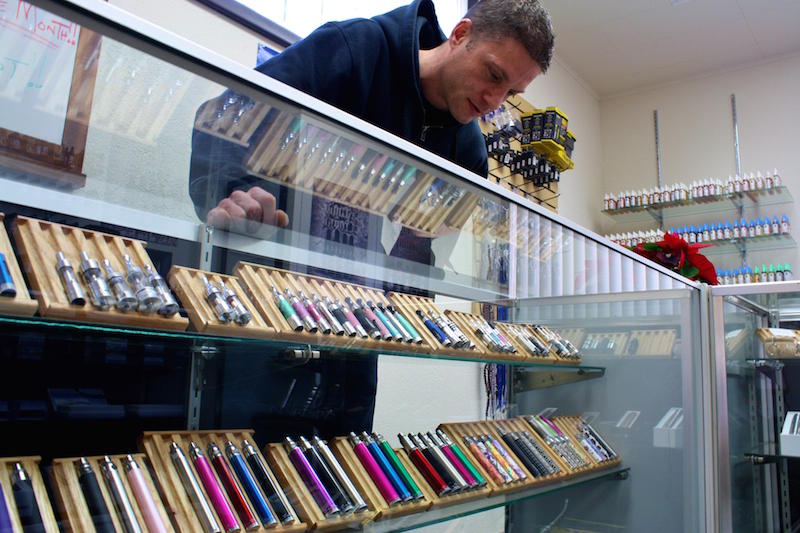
(248, 211)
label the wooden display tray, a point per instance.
(551, 357)
(156, 446)
(300, 497)
(523, 425)
(31, 466)
(651, 342)
(21, 304)
(189, 288)
(574, 335)
(38, 242)
(229, 123)
(72, 504)
(352, 466)
(569, 425)
(258, 281)
(462, 320)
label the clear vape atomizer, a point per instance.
(243, 316)
(215, 298)
(71, 284)
(126, 300)
(99, 292)
(155, 280)
(149, 300)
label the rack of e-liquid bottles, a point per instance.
(217, 481)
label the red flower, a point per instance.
(678, 255)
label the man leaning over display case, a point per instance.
(400, 72)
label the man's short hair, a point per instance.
(525, 20)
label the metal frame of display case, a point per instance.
(768, 373)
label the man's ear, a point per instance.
(461, 32)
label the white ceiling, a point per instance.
(617, 46)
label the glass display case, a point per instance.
(483, 315)
(755, 398)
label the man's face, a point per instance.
(483, 72)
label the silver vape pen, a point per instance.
(71, 284)
(149, 300)
(99, 292)
(336, 326)
(217, 301)
(201, 506)
(243, 316)
(155, 280)
(126, 300)
(121, 500)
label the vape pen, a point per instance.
(375, 473)
(7, 287)
(436, 461)
(387, 322)
(99, 292)
(424, 466)
(497, 461)
(243, 316)
(25, 498)
(218, 501)
(408, 481)
(438, 333)
(362, 319)
(71, 285)
(249, 484)
(215, 298)
(500, 457)
(406, 324)
(484, 335)
(5, 517)
(386, 467)
(454, 461)
(98, 510)
(487, 464)
(451, 469)
(462, 459)
(309, 323)
(585, 428)
(457, 342)
(396, 323)
(322, 323)
(531, 444)
(201, 506)
(310, 478)
(121, 501)
(287, 311)
(149, 300)
(152, 518)
(533, 465)
(509, 457)
(325, 474)
(336, 326)
(274, 497)
(352, 319)
(155, 280)
(126, 300)
(338, 471)
(373, 319)
(234, 493)
(343, 318)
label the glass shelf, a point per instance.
(445, 513)
(67, 331)
(725, 202)
(750, 244)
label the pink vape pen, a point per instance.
(206, 475)
(374, 471)
(143, 497)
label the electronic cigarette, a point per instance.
(424, 466)
(459, 480)
(201, 506)
(484, 461)
(243, 316)
(325, 474)
(373, 319)
(322, 323)
(98, 510)
(369, 155)
(120, 496)
(391, 456)
(310, 478)
(584, 427)
(218, 501)
(450, 333)
(494, 460)
(5, 516)
(362, 319)
(531, 463)
(287, 310)
(436, 461)
(352, 319)
(508, 457)
(386, 467)
(375, 473)
(343, 318)
(126, 299)
(99, 291)
(149, 300)
(338, 471)
(406, 324)
(437, 332)
(396, 323)
(502, 338)
(309, 323)
(500, 456)
(155, 280)
(528, 442)
(249, 484)
(274, 497)
(71, 284)
(216, 300)
(454, 461)
(152, 518)
(7, 287)
(462, 459)
(336, 326)
(387, 322)
(235, 495)
(25, 498)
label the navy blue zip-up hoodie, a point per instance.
(368, 68)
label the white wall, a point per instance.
(696, 130)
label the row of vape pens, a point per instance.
(557, 440)
(137, 290)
